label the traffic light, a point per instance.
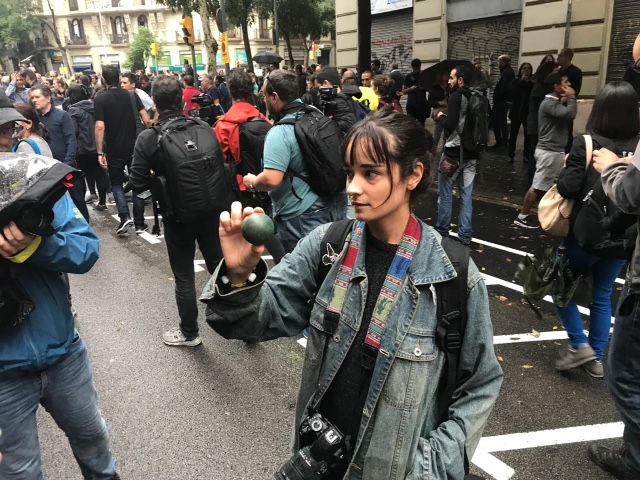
(187, 30)
(154, 49)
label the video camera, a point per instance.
(207, 111)
(327, 96)
(321, 450)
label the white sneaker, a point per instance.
(175, 337)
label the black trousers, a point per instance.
(513, 137)
(181, 241)
(94, 174)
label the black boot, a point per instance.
(612, 462)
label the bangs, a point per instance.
(368, 140)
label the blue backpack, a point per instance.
(33, 144)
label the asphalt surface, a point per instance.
(224, 410)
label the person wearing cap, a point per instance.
(8, 118)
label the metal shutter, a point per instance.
(624, 30)
(486, 39)
(392, 40)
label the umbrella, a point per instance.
(549, 272)
(265, 56)
(429, 76)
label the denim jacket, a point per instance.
(400, 435)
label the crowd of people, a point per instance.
(354, 265)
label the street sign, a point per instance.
(224, 48)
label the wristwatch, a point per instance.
(102, 154)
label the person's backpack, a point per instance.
(451, 307)
(32, 143)
(197, 181)
(359, 109)
(251, 136)
(475, 134)
(225, 101)
(320, 139)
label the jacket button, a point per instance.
(365, 411)
(336, 338)
(417, 352)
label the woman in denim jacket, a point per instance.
(375, 375)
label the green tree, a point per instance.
(206, 9)
(139, 51)
(17, 21)
(242, 13)
(52, 25)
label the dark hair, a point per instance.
(166, 93)
(416, 63)
(568, 52)
(330, 74)
(383, 84)
(111, 75)
(543, 71)
(391, 137)
(545, 59)
(46, 91)
(77, 92)
(553, 80)
(28, 73)
(28, 111)
(188, 79)
(219, 79)
(240, 84)
(85, 80)
(375, 61)
(466, 73)
(132, 78)
(367, 71)
(284, 83)
(615, 112)
(524, 64)
(143, 77)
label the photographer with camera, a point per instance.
(371, 403)
(182, 163)
(333, 102)
(43, 359)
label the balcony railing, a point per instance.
(77, 41)
(262, 34)
(111, 4)
(119, 38)
(180, 36)
(35, 44)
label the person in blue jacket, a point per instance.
(43, 360)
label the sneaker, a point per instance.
(141, 228)
(176, 338)
(305, 333)
(594, 368)
(91, 197)
(122, 228)
(510, 160)
(101, 207)
(612, 462)
(466, 242)
(530, 221)
(570, 357)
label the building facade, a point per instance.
(601, 33)
(98, 32)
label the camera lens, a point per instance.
(316, 424)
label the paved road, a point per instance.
(224, 410)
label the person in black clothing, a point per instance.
(538, 92)
(375, 67)
(520, 91)
(502, 101)
(188, 69)
(180, 238)
(302, 79)
(398, 78)
(574, 74)
(632, 76)
(465, 174)
(416, 94)
(342, 110)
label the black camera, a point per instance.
(327, 96)
(321, 451)
(207, 111)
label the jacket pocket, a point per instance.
(405, 387)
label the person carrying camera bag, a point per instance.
(368, 404)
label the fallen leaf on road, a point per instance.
(170, 278)
(555, 328)
(500, 359)
(535, 333)
(483, 269)
(527, 366)
(122, 323)
(508, 260)
(505, 198)
(514, 338)
(524, 238)
(503, 299)
(454, 225)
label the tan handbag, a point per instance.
(554, 210)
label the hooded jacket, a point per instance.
(82, 115)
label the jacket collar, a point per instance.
(429, 265)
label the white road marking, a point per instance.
(149, 238)
(544, 438)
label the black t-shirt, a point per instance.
(417, 97)
(113, 107)
(344, 400)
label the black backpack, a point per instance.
(451, 308)
(197, 182)
(320, 139)
(475, 133)
(251, 135)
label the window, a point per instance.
(142, 21)
(77, 29)
(73, 5)
(118, 26)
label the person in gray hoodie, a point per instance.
(81, 112)
(621, 182)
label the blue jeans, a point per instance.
(116, 176)
(623, 371)
(324, 210)
(67, 392)
(464, 179)
(604, 272)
